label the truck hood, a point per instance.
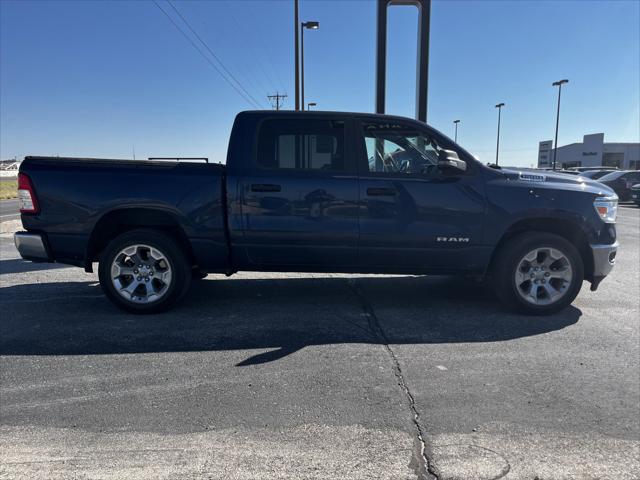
(557, 180)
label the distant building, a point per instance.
(591, 152)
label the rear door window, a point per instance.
(302, 144)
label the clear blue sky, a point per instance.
(98, 78)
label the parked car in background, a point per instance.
(589, 169)
(558, 170)
(621, 182)
(635, 194)
(595, 174)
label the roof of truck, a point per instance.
(326, 112)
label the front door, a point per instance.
(414, 216)
(300, 202)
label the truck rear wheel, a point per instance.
(538, 273)
(144, 271)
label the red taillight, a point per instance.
(27, 195)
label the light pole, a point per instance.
(310, 26)
(499, 107)
(311, 104)
(456, 122)
(558, 84)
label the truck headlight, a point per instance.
(607, 208)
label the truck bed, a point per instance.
(78, 196)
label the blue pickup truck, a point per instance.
(319, 192)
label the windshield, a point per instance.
(612, 176)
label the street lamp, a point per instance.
(311, 104)
(558, 84)
(456, 122)
(499, 107)
(310, 26)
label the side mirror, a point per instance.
(448, 159)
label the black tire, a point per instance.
(180, 268)
(508, 259)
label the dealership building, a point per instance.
(593, 151)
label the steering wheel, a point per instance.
(391, 162)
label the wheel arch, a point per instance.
(565, 228)
(119, 221)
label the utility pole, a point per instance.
(277, 98)
(456, 122)
(296, 24)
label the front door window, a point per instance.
(394, 149)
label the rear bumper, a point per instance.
(604, 258)
(32, 246)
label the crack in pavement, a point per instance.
(426, 469)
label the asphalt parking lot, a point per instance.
(9, 210)
(318, 376)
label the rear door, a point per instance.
(300, 200)
(415, 217)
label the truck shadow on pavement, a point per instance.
(18, 265)
(281, 316)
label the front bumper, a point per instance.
(32, 246)
(604, 258)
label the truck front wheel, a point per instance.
(538, 273)
(144, 271)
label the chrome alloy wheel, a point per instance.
(543, 276)
(141, 274)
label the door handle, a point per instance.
(382, 192)
(265, 187)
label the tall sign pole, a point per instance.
(381, 55)
(302, 66)
(296, 26)
(422, 72)
(422, 69)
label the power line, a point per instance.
(211, 52)
(257, 60)
(277, 98)
(265, 48)
(193, 44)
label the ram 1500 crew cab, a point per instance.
(319, 192)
